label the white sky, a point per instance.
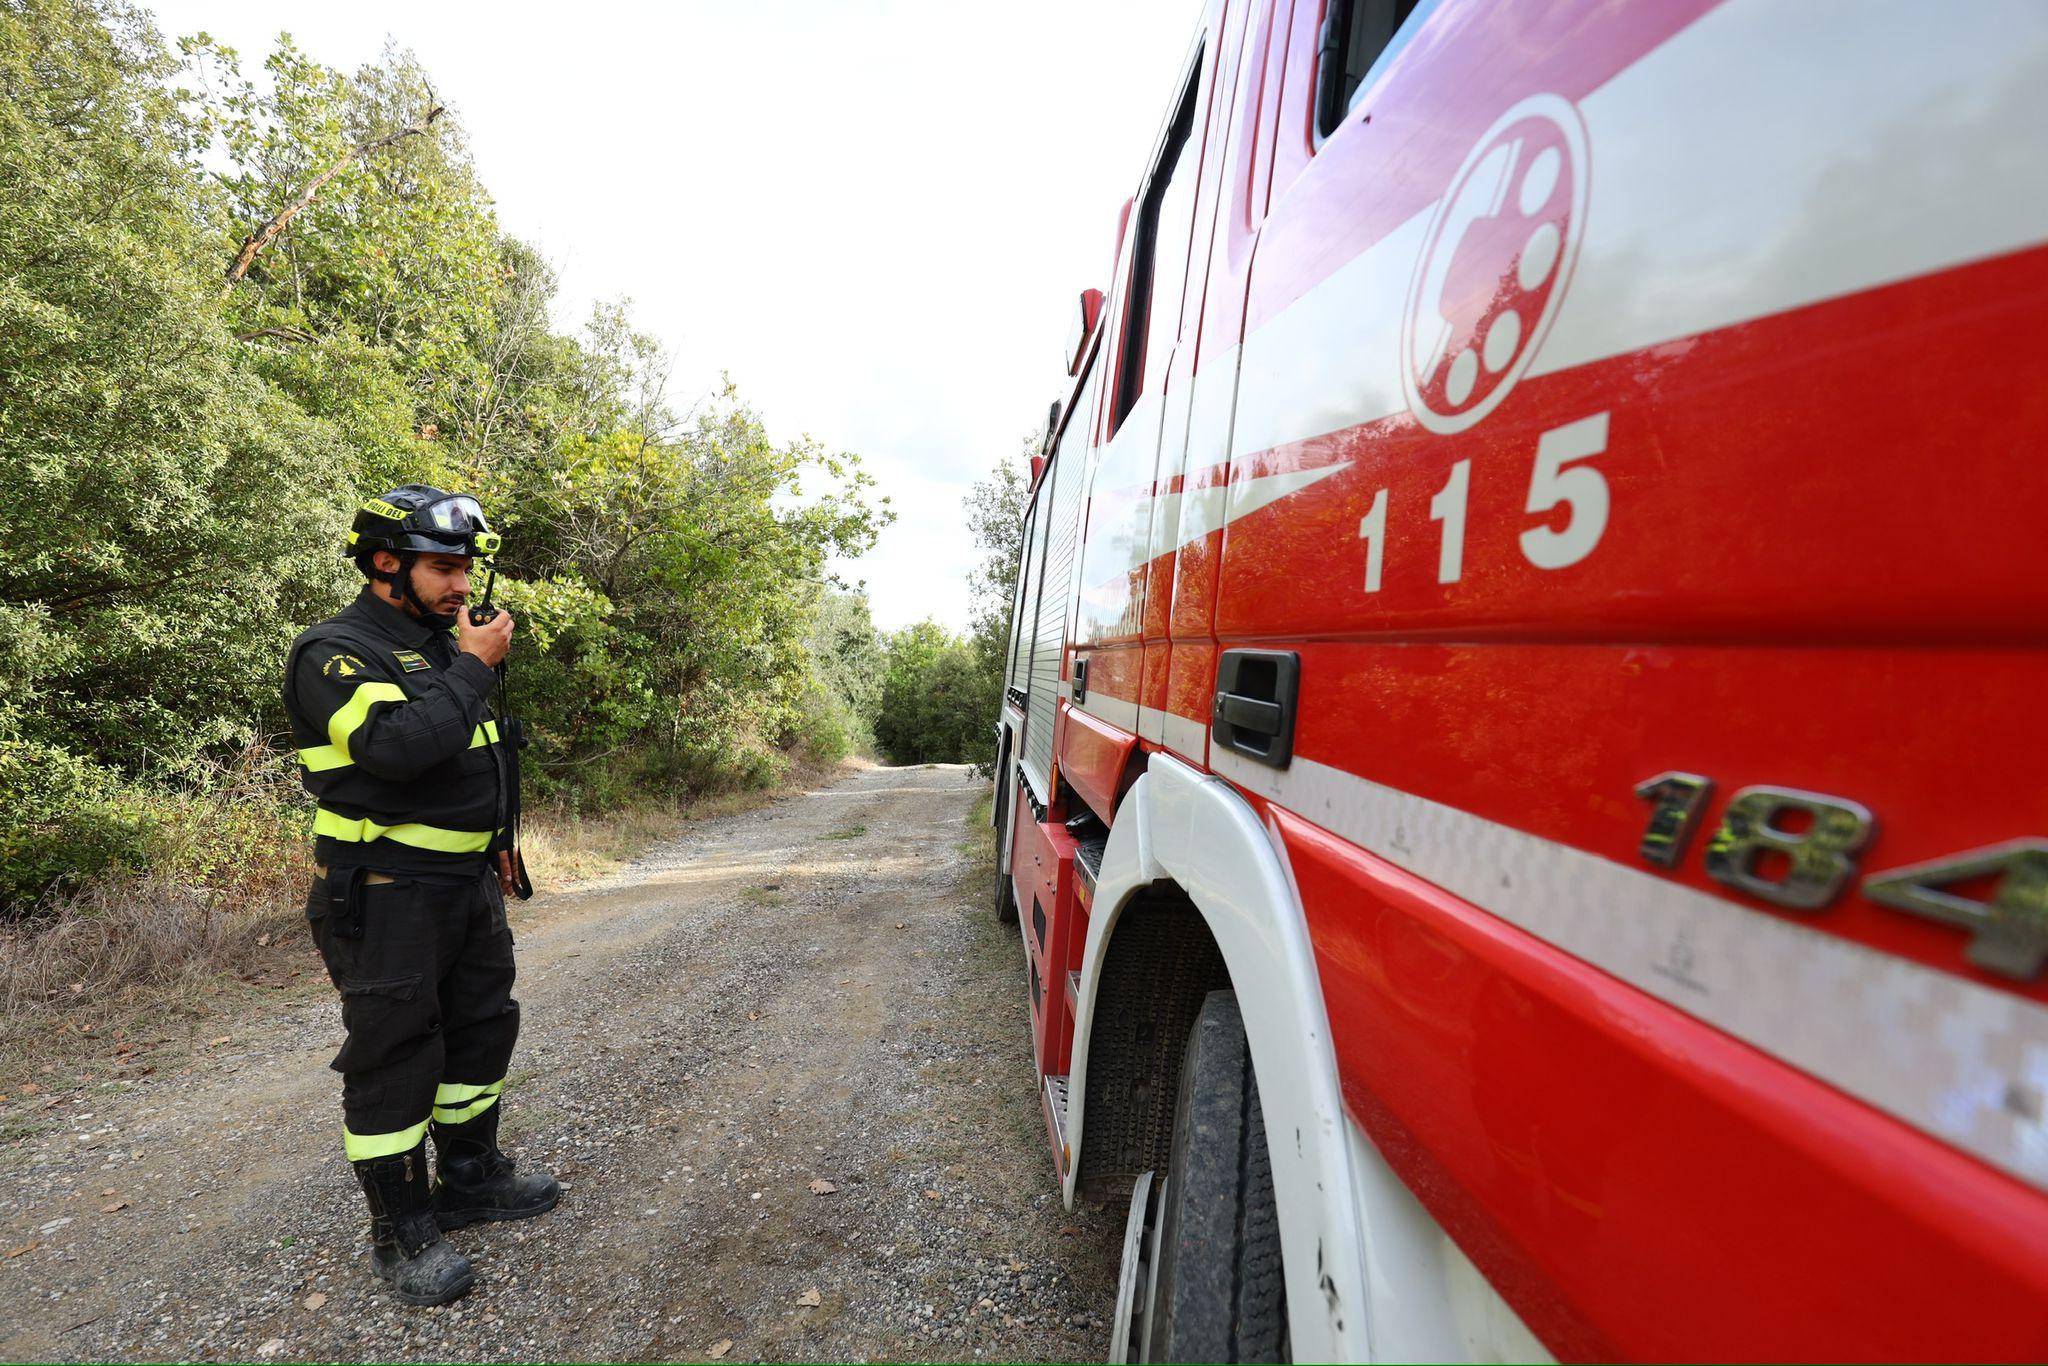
(875, 216)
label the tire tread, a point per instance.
(1222, 1295)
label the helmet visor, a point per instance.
(454, 517)
(460, 521)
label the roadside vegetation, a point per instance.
(234, 303)
(939, 692)
(240, 294)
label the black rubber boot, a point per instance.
(407, 1248)
(477, 1181)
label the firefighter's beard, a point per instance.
(440, 621)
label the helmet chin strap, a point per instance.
(402, 581)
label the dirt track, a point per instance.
(814, 991)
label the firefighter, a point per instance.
(413, 859)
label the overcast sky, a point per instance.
(876, 217)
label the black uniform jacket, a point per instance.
(396, 743)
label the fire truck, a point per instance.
(1523, 771)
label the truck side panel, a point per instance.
(1748, 489)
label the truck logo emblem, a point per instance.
(1495, 264)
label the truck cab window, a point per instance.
(1026, 624)
(1359, 37)
(1159, 260)
(1021, 602)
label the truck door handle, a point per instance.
(1243, 713)
(1253, 714)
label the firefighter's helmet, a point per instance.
(422, 520)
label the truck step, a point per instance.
(1088, 860)
(1056, 1114)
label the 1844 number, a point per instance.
(1800, 849)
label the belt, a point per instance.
(320, 870)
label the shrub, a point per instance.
(937, 701)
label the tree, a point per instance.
(932, 706)
(995, 516)
(182, 462)
(162, 505)
(161, 522)
(847, 660)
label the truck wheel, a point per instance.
(1219, 1294)
(1006, 898)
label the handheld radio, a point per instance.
(513, 731)
(483, 613)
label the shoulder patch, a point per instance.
(344, 666)
(412, 661)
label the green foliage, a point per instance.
(937, 702)
(703, 570)
(939, 693)
(65, 821)
(161, 523)
(847, 663)
(183, 456)
(995, 516)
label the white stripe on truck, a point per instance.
(1941, 1053)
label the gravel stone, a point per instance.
(695, 1054)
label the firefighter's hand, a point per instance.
(487, 642)
(506, 881)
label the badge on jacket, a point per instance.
(412, 661)
(346, 665)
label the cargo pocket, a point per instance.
(494, 899)
(336, 957)
(395, 928)
(397, 988)
(388, 1020)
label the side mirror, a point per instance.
(1085, 319)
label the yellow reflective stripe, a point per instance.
(339, 827)
(456, 1104)
(324, 757)
(455, 1093)
(466, 1113)
(361, 1147)
(346, 721)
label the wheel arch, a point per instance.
(1004, 777)
(1188, 861)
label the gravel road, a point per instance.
(805, 997)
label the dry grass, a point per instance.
(227, 876)
(563, 847)
(135, 933)
(128, 956)
(980, 841)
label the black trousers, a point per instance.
(425, 973)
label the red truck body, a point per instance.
(1614, 451)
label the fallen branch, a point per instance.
(265, 235)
